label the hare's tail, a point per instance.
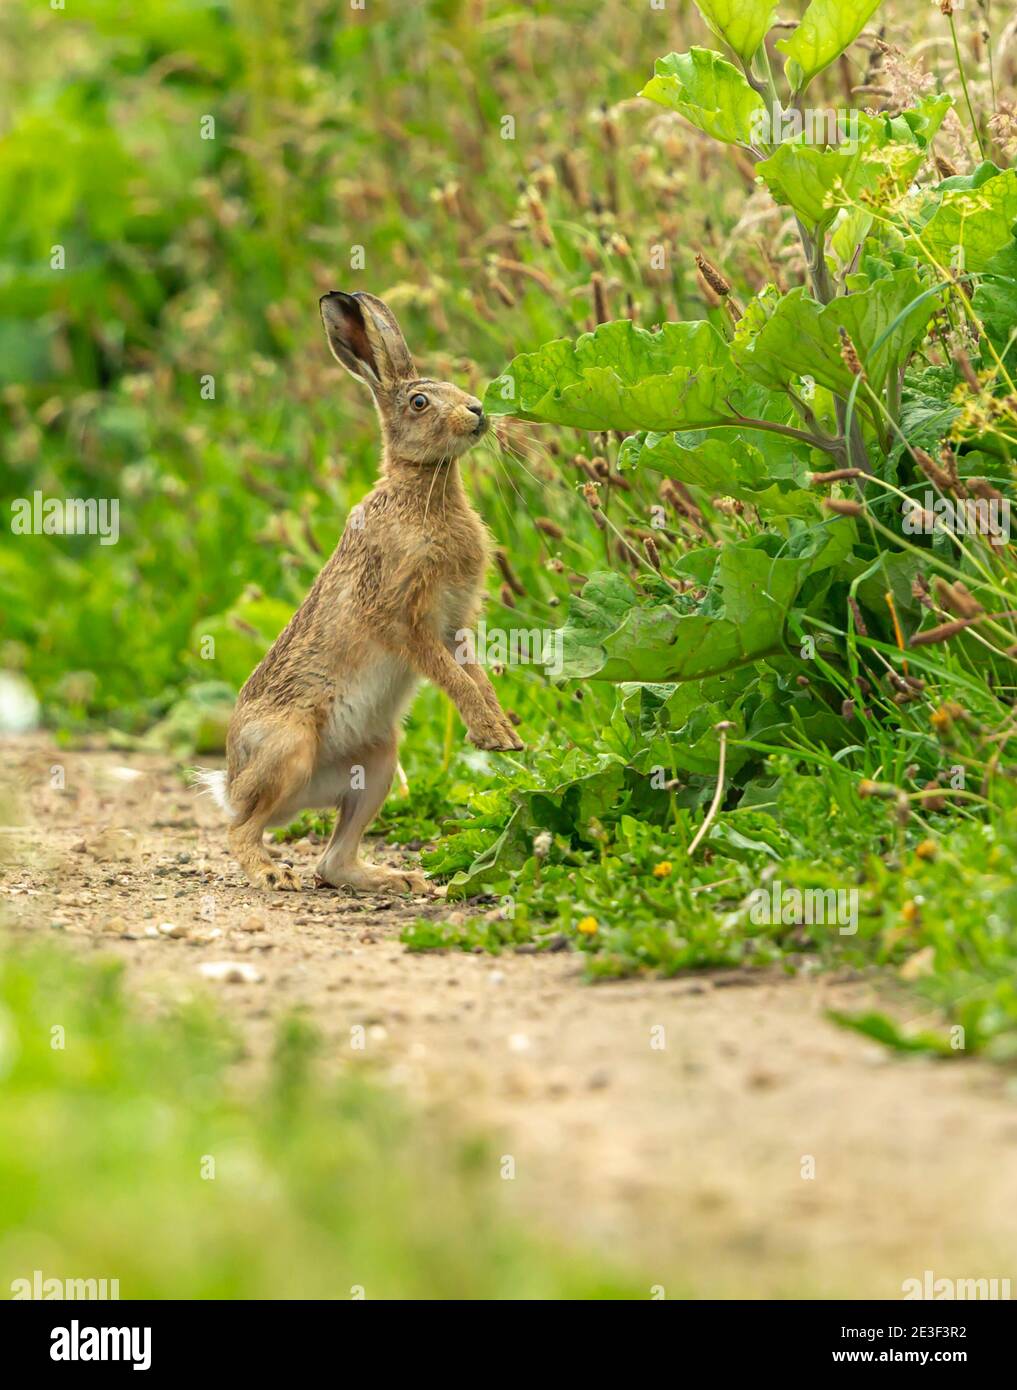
(213, 781)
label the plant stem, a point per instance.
(717, 795)
(964, 85)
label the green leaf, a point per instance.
(612, 634)
(847, 234)
(708, 91)
(743, 24)
(815, 182)
(886, 1030)
(927, 411)
(827, 28)
(995, 300)
(800, 337)
(971, 226)
(564, 805)
(241, 636)
(725, 468)
(621, 377)
(979, 175)
(883, 154)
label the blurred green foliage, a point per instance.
(127, 1153)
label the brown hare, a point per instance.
(316, 723)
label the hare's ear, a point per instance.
(365, 337)
(347, 336)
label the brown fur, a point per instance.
(317, 720)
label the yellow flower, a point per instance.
(588, 925)
(927, 849)
(662, 869)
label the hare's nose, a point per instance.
(478, 411)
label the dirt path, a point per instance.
(686, 1159)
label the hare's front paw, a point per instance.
(276, 876)
(496, 739)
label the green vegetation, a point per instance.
(124, 1155)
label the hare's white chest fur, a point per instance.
(369, 704)
(363, 713)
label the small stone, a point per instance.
(113, 844)
(230, 972)
(762, 1080)
(152, 932)
(174, 929)
(252, 924)
(115, 925)
(205, 937)
(519, 1042)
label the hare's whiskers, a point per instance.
(522, 464)
(427, 500)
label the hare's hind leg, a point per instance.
(278, 770)
(340, 865)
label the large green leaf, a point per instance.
(995, 300)
(708, 91)
(612, 634)
(621, 377)
(800, 337)
(827, 28)
(743, 24)
(582, 789)
(726, 468)
(971, 225)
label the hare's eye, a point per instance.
(418, 402)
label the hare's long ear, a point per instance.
(347, 336)
(365, 337)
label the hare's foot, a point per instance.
(262, 870)
(500, 738)
(272, 875)
(370, 878)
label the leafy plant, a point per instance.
(812, 408)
